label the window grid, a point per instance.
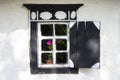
(54, 51)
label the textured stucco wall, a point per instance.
(14, 43)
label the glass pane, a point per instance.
(47, 44)
(60, 29)
(47, 30)
(61, 44)
(61, 58)
(47, 58)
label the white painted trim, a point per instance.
(53, 20)
(46, 15)
(37, 15)
(53, 66)
(73, 15)
(29, 28)
(97, 24)
(68, 15)
(54, 46)
(72, 24)
(33, 15)
(71, 63)
(60, 15)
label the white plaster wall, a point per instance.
(14, 43)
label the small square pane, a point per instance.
(47, 44)
(61, 44)
(60, 29)
(61, 58)
(47, 30)
(47, 58)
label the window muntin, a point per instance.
(57, 45)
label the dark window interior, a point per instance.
(61, 29)
(47, 29)
(61, 58)
(61, 44)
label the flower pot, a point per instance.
(49, 61)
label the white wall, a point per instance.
(14, 43)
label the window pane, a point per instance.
(60, 29)
(61, 58)
(47, 45)
(61, 44)
(47, 58)
(47, 30)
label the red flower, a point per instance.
(49, 42)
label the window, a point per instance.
(53, 41)
(59, 43)
(50, 39)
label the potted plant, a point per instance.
(49, 59)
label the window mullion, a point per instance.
(68, 42)
(39, 44)
(54, 46)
